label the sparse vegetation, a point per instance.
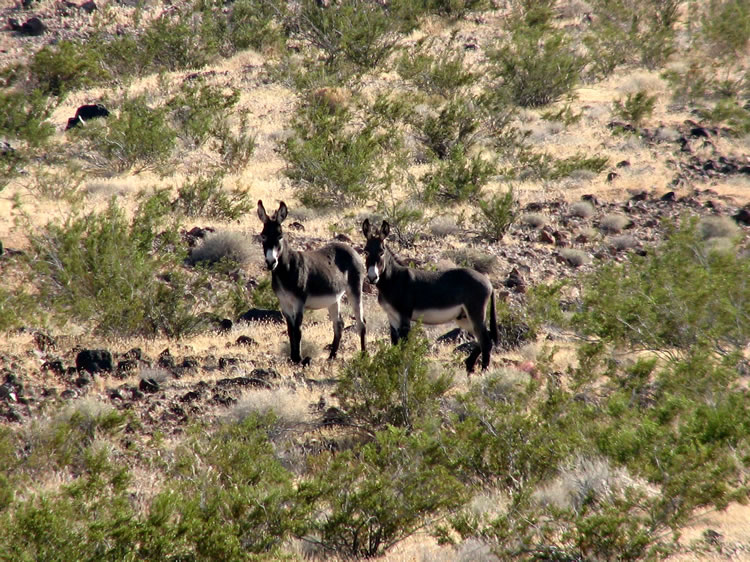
(635, 108)
(614, 223)
(497, 214)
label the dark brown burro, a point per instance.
(311, 280)
(434, 297)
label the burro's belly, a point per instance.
(322, 301)
(437, 315)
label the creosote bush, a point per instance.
(497, 214)
(635, 107)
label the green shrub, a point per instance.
(256, 24)
(455, 9)
(263, 295)
(458, 178)
(725, 26)
(205, 197)
(369, 500)
(355, 31)
(139, 135)
(635, 108)
(496, 215)
(443, 75)
(99, 269)
(329, 162)
(236, 149)
(200, 110)
(631, 32)
(680, 295)
(25, 116)
(732, 114)
(66, 66)
(537, 64)
(456, 124)
(393, 387)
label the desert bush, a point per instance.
(404, 216)
(678, 296)
(369, 500)
(443, 74)
(329, 162)
(228, 246)
(623, 242)
(355, 31)
(458, 178)
(635, 107)
(544, 166)
(263, 295)
(574, 257)
(533, 220)
(454, 9)
(457, 124)
(625, 31)
(614, 223)
(205, 197)
(718, 227)
(582, 209)
(729, 112)
(256, 24)
(392, 387)
(497, 215)
(199, 110)
(66, 66)
(139, 135)
(236, 149)
(725, 27)
(25, 116)
(98, 269)
(481, 260)
(537, 64)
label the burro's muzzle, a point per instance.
(272, 258)
(373, 275)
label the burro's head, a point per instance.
(375, 249)
(271, 235)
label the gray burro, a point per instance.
(434, 297)
(311, 280)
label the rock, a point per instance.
(515, 281)
(55, 365)
(83, 381)
(190, 396)
(453, 336)
(742, 216)
(245, 340)
(32, 26)
(225, 362)
(166, 361)
(262, 315)
(669, 196)
(225, 325)
(89, 7)
(334, 416)
(68, 394)
(546, 236)
(148, 385)
(94, 361)
(44, 342)
(623, 164)
(86, 112)
(612, 176)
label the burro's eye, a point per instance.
(263, 237)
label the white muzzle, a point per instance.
(373, 275)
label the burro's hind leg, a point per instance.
(338, 327)
(355, 297)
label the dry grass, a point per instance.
(227, 245)
(613, 223)
(574, 258)
(718, 227)
(534, 220)
(582, 209)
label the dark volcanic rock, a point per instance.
(148, 385)
(262, 315)
(94, 361)
(32, 26)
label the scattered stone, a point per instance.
(262, 315)
(32, 26)
(515, 281)
(246, 340)
(623, 164)
(669, 196)
(125, 366)
(562, 239)
(264, 374)
(191, 396)
(115, 394)
(83, 381)
(242, 381)
(44, 342)
(148, 385)
(86, 112)
(166, 361)
(612, 176)
(94, 361)
(742, 216)
(68, 394)
(55, 365)
(546, 236)
(225, 325)
(225, 362)
(453, 336)
(89, 7)
(298, 226)
(341, 237)
(334, 416)
(640, 196)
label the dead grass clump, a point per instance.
(221, 245)
(444, 226)
(720, 245)
(481, 261)
(614, 223)
(584, 481)
(534, 220)
(623, 242)
(574, 258)
(285, 403)
(718, 227)
(582, 209)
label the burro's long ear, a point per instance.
(366, 228)
(385, 230)
(281, 213)
(262, 212)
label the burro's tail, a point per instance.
(494, 332)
